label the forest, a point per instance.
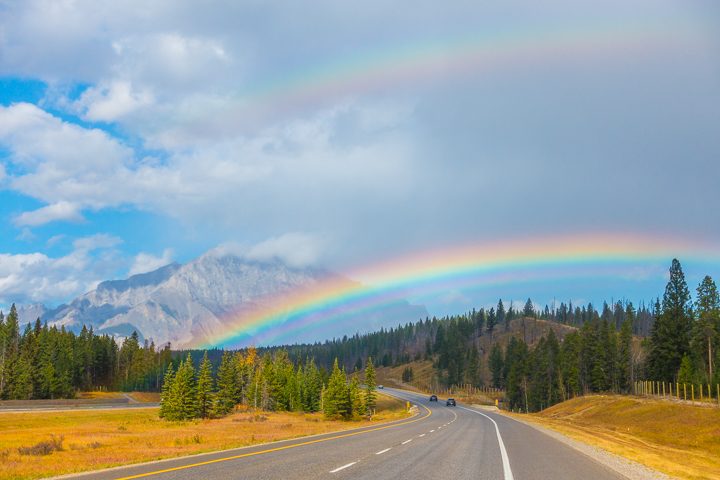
(676, 338)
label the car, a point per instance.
(433, 398)
(380, 387)
(450, 402)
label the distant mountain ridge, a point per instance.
(186, 304)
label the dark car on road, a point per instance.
(450, 402)
(433, 398)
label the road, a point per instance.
(439, 443)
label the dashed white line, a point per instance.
(421, 435)
(406, 441)
(431, 431)
(343, 467)
(382, 451)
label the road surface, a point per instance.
(440, 443)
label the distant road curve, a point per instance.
(439, 443)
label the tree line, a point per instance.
(269, 382)
(682, 347)
(42, 362)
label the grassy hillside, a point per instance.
(678, 439)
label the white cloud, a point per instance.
(57, 211)
(35, 277)
(295, 249)
(108, 103)
(146, 262)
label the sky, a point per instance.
(339, 135)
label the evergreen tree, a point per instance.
(669, 340)
(707, 327)
(356, 401)
(496, 365)
(529, 310)
(625, 366)
(370, 386)
(501, 320)
(227, 388)
(167, 404)
(491, 321)
(337, 399)
(205, 388)
(183, 393)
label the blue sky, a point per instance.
(132, 135)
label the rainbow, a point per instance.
(419, 62)
(433, 272)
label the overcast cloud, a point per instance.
(335, 134)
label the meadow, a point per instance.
(42, 444)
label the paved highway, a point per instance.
(439, 443)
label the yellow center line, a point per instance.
(276, 449)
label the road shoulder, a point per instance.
(621, 465)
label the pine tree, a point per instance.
(496, 365)
(625, 367)
(670, 340)
(491, 321)
(167, 404)
(227, 388)
(183, 393)
(370, 386)
(205, 388)
(529, 310)
(501, 315)
(356, 401)
(337, 399)
(707, 327)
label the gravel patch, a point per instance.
(625, 467)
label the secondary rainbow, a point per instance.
(412, 62)
(580, 256)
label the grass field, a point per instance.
(680, 440)
(90, 440)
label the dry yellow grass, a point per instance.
(680, 440)
(99, 439)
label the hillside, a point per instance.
(678, 439)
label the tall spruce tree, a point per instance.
(706, 331)
(227, 387)
(205, 388)
(370, 387)
(167, 404)
(670, 339)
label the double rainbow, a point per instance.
(284, 316)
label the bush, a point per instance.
(44, 448)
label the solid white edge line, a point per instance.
(406, 441)
(503, 453)
(343, 467)
(382, 451)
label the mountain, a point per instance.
(187, 304)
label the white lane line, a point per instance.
(421, 435)
(503, 452)
(382, 451)
(406, 441)
(343, 467)
(431, 431)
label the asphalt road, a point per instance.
(439, 443)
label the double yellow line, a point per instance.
(276, 449)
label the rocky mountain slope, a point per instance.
(186, 304)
